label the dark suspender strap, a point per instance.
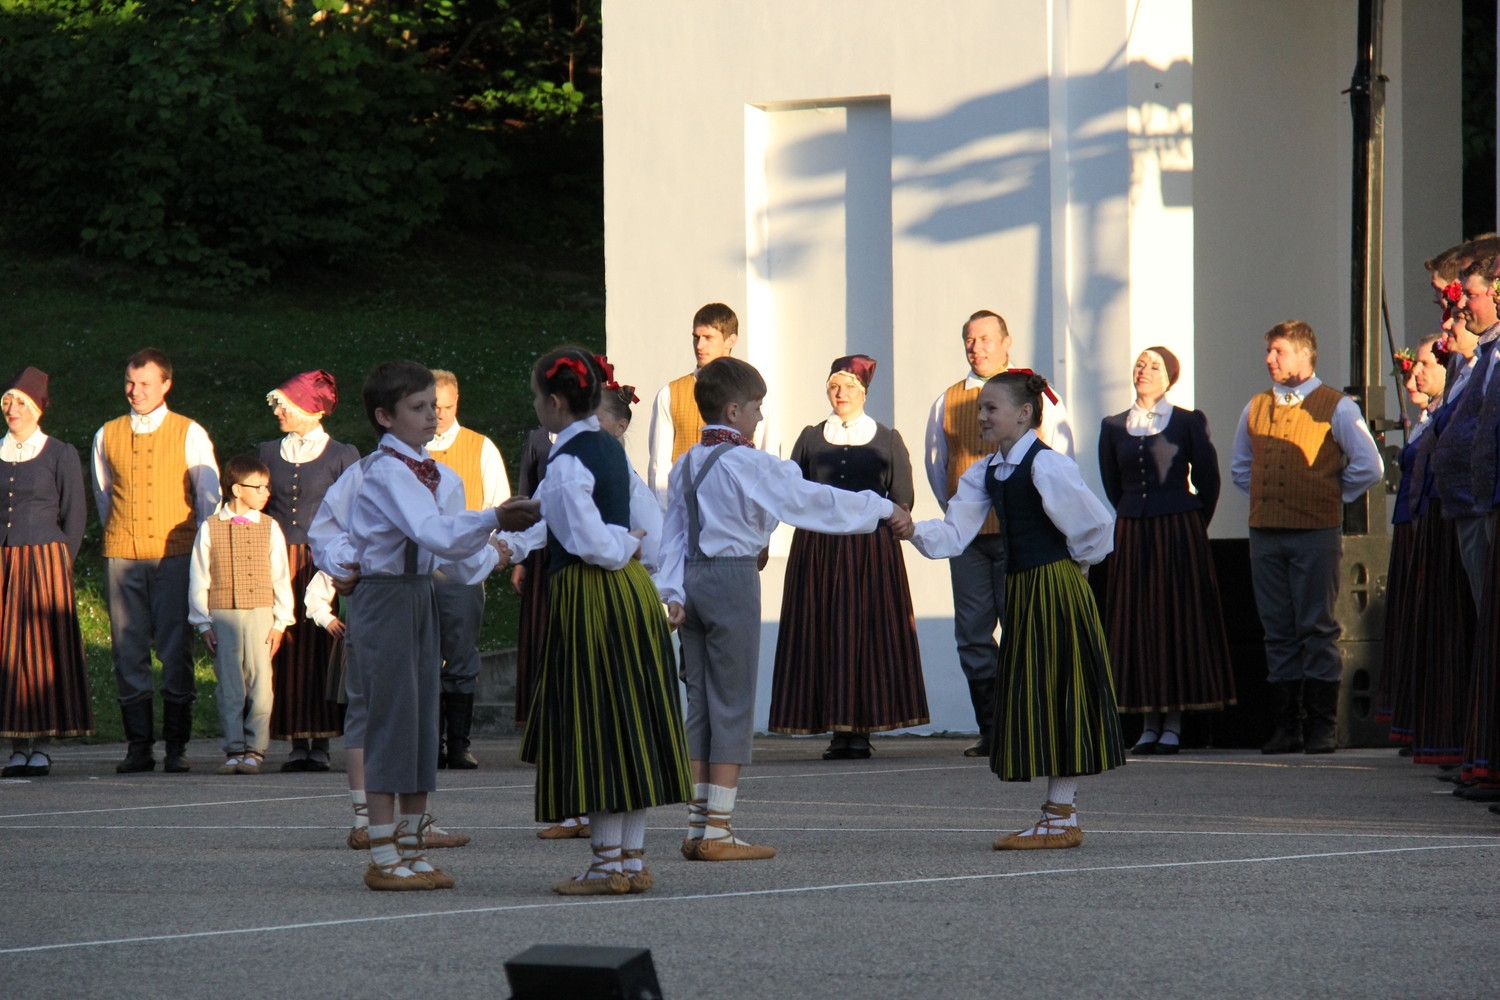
(695, 523)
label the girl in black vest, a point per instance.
(605, 728)
(1055, 713)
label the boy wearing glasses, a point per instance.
(240, 601)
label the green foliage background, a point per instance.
(209, 145)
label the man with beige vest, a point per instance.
(461, 606)
(155, 481)
(1302, 450)
(952, 445)
(676, 424)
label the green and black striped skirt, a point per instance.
(605, 724)
(1055, 713)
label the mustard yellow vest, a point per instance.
(687, 422)
(462, 456)
(1295, 463)
(151, 498)
(965, 446)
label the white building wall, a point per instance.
(1106, 174)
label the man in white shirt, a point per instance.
(952, 445)
(1302, 450)
(461, 606)
(155, 481)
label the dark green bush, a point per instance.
(212, 142)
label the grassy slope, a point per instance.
(484, 311)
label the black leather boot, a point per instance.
(139, 722)
(1287, 737)
(1320, 728)
(176, 730)
(982, 694)
(458, 715)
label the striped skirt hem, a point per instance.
(605, 723)
(1055, 712)
(44, 688)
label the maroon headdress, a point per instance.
(314, 393)
(861, 366)
(31, 383)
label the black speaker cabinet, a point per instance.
(582, 972)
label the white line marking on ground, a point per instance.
(238, 802)
(965, 830)
(792, 890)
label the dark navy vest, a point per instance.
(1031, 539)
(604, 457)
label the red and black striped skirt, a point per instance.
(846, 652)
(1442, 644)
(1167, 644)
(299, 674)
(44, 688)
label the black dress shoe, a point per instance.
(859, 748)
(136, 760)
(838, 753)
(1144, 749)
(1166, 749)
(980, 749)
(295, 764)
(1479, 793)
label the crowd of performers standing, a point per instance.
(331, 588)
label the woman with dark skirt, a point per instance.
(529, 580)
(1424, 385)
(847, 660)
(43, 687)
(1164, 621)
(304, 463)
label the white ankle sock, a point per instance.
(633, 837)
(408, 843)
(386, 855)
(698, 811)
(721, 808)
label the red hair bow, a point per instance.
(609, 379)
(1047, 389)
(579, 368)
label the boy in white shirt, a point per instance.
(240, 601)
(726, 499)
(408, 514)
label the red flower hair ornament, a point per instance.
(579, 368)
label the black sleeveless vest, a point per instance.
(604, 457)
(1031, 539)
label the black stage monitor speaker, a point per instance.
(582, 972)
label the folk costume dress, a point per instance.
(533, 624)
(303, 467)
(1167, 643)
(43, 686)
(1400, 605)
(605, 727)
(846, 654)
(1055, 712)
(1443, 614)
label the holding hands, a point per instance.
(901, 523)
(518, 513)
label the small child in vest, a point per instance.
(1054, 710)
(240, 600)
(727, 497)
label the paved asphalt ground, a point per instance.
(1210, 874)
